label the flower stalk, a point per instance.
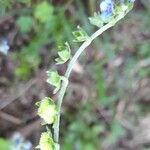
(72, 64)
(48, 110)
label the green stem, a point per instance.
(72, 64)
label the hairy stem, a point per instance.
(71, 65)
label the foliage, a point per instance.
(80, 35)
(84, 131)
(64, 53)
(54, 79)
(43, 12)
(4, 5)
(25, 23)
(116, 133)
(45, 24)
(4, 144)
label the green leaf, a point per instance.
(23, 71)
(43, 12)
(80, 35)
(96, 20)
(47, 110)
(4, 144)
(120, 8)
(4, 6)
(24, 1)
(64, 53)
(54, 79)
(117, 131)
(25, 23)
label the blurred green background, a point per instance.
(107, 103)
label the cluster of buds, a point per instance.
(48, 112)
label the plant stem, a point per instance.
(71, 65)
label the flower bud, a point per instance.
(47, 110)
(46, 142)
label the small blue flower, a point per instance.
(105, 16)
(107, 7)
(4, 47)
(19, 143)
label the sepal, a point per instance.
(96, 20)
(80, 35)
(47, 110)
(64, 53)
(54, 79)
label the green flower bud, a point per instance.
(47, 110)
(46, 142)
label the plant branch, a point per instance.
(71, 65)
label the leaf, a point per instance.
(4, 144)
(64, 53)
(4, 6)
(25, 23)
(120, 9)
(80, 35)
(24, 70)
(54, 79)
(96, 20)
(24, 1)
(43, 12)
(117, 131)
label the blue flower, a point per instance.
(4, 47)
(105, 16)
(107, 7)
(19, 143)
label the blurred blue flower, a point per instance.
(132, 1)
(4, 47)
(107, 7)
(19, 143)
